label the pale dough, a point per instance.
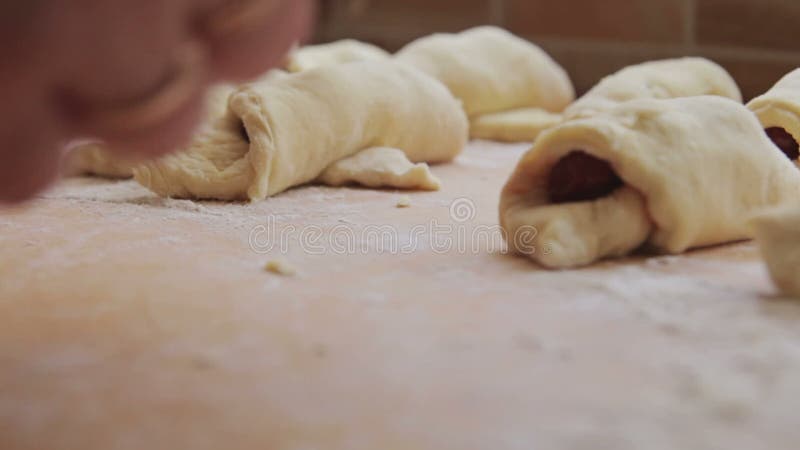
(403, 202)
(380, 167)
(490, 70)
(692, 171)
(780, 106)
(95, 158)
(778, 234)
(283, 133)
(671, 78)
(280, 267)
(339, 52)
(517, 125)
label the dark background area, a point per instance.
(758, 41)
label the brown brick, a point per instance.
(392, 23)
(585, 35)
(658, 21)
(749, 23)
(588, 64)
(756, 77)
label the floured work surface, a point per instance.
(130, 322)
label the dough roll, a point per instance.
(491, 71)
(673, 174)
(779, 113)
(95, 158)
(778, 234)
(516, 125)
(339, 52)
(670, 78)
(283, 133)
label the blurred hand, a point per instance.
(131, 72)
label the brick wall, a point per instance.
(757, 40)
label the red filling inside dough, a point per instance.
(243, 132)
(785, 141)
(580, 177)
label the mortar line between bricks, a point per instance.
(497, 12)
(400, 36)
(644, 48)
(690, 16)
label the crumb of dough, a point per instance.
(280, 267)
(404, 202)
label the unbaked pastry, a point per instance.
(339, 52)
(670, 78)
(778, 234)
(491, 71)
(283, 133)
(516, 125)
(380, 167)
(779, 113)
(673, 174)
(95, 158)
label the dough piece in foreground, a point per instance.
(339, 52)
(779, 113)
(380, 167)
(95, 158)
(670, 78)
(490, 70)
(518, 125)
(284, 133)
(778, 234)
(674, 174)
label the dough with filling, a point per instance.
(339, 52)
(670, 78)
(778, 234)
(284, 133)
(673, 174)
(779, 113)
(492, 71)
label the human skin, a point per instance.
(67, 61)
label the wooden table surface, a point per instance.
(133, 322)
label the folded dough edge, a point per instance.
(780, 106)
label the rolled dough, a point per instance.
(492, 71)
(693, 171)
(96, 158)
(277, 134)
(670, 78)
